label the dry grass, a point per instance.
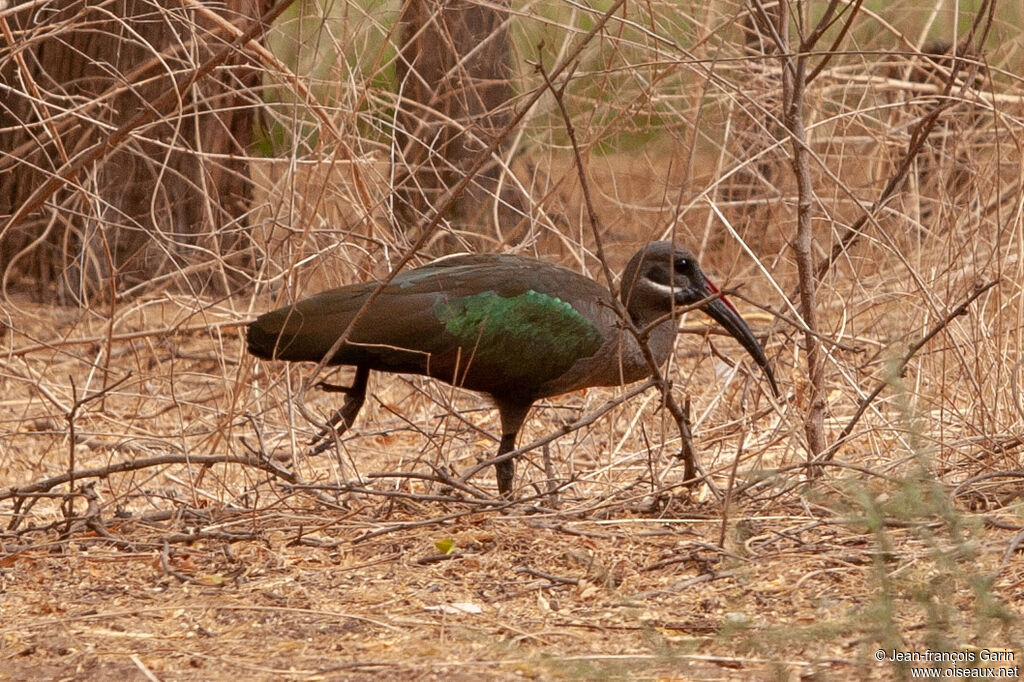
(217, 548)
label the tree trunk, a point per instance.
(453, 71)
(166, 203)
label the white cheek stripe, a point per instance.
(661, 288)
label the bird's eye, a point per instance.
(682, 264)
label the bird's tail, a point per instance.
(262, 341)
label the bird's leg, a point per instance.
(512, 416)
(341, 420)
(505, 471)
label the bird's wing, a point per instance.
(499, 324)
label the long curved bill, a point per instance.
(722, 311)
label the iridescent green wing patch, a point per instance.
(531, 334)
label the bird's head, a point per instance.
(662, 275)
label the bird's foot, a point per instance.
(338, 423)
(343, 418)
(505, 472)
(334, 388)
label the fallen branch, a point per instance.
(136, 465)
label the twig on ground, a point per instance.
(139, 464)
(550, 577)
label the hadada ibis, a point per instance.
(516, 328)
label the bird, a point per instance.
(516, 328)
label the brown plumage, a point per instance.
(516, 328)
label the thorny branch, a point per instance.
(795, 79)
(135, 465)
(68, 507)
